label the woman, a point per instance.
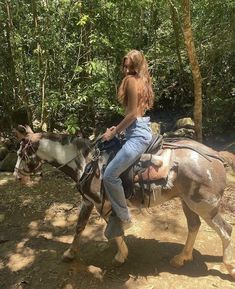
(136, 95)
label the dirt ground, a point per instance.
(37, 224)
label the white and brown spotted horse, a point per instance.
(196, 175)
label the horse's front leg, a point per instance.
(122, 252)
(84, 214)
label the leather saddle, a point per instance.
(154, 166)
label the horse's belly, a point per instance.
(152, 195)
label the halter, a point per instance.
(24, 155)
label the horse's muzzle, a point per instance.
(24, 179)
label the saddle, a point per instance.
(157, 166)
(154, 166)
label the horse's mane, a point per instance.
(65, 139)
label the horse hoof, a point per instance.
(68, 256)
(176, 263)
(179, 261)
(232, 273)
(231, 270)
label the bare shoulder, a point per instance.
(131, 81)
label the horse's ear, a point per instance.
(28, 129)
(22, 131)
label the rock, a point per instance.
(3, 152)
(185, 122)
(155, 127)
(8, 163)
(182, 132)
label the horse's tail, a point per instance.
(229, 159)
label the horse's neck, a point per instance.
(67, 154)
(54, 151)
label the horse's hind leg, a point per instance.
(193, 222)
(224, 230)
(84, 214)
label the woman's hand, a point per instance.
(109, 134)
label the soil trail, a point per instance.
(37, 224)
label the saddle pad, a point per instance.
(156, 170)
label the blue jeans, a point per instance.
(138, 137)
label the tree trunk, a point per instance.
(175, 24)
(42, 70)
(11, 44)
(197, 80)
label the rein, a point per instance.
(61, 166)
(26, 157)
(25, 173)
(89, 169)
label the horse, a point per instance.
(196, 174)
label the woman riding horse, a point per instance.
(136, 96)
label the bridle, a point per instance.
(25, 153)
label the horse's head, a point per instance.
(27, 159)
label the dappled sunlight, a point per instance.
(46, 235)
(68, 286)
(35, 231)
(92, 277)
(19, 261)
(6, 178)
(27, 200)
(43, 227)
(96, 272)
(3, 182)
(23, 257)
(66, 239)
(231, 177)
(95, 231)
(33, 228)
(59, 215)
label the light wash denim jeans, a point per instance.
(138, 138)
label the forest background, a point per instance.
(60, 61)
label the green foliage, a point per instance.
(66, 65)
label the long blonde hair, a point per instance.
(140, 67)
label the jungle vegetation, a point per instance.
(60, 61)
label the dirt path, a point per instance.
(37, 224)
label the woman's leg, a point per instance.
(128, 154)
